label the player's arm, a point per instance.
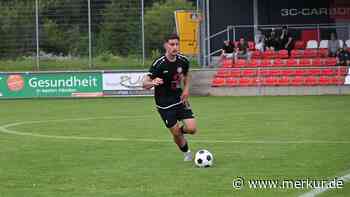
(149, 83)
(186, 88)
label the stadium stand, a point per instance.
(308, 65)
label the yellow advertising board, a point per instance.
(187, 25)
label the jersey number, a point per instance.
(175, 83)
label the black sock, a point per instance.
(182, 129)
(184, 148)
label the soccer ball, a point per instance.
(203, 159)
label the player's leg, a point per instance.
(190, 126)
(189, 122)
(178, 137)
(170, 120)
(181, 142)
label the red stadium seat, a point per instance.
(248, 73)
(275, 72)
(297, 81)
(256, 54)
(269, 54)
(283, 81)
(310, 53)
(342, 71)
(305, 62)
(296, 53)
(263, 72)
(265, 63)
(292, 62)
(241, 63)
(323, 52)
(301, 72)
(299, 44)
(235, 73)
(311, 80)
(314, 72)
(288, 72)
(279, 63)
(323, 80)
(337, 80)
(331, 61)
(282, 54)
(227, 63)
(232, 81)
(270, 81)
(244, 81)
(253, 63)
(218, 82)
(328, 72)
(318, 62)
(223, 73)
(251, 45)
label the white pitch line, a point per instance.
(5, 129)
(318, 191)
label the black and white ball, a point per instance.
(203, 158)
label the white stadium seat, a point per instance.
(324, 44)
(347, 43)
(341, 43)
(312, 44)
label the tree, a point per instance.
(120, 32)
(160, 21)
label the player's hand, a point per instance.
(184, 96)
(157, 81)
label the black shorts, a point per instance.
(177, 113)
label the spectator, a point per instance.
(286, 40)
(242, 50)
(259, 41)
(272, 41)
(228, 49)
(333, 45)
(343, 56)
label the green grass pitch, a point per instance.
(119, 146)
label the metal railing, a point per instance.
(231, 33)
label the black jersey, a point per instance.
(169, 93)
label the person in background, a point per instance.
(272, 41)
(286, 40)
(259, 41)
(343, 56)
(242, 50)
(333, 45)
(228, 49)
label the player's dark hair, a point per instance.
(172, 36)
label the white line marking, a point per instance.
(318, 191)
(5, 129)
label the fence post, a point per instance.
(90, 43)
(208, 33)
(37, 34)
(143, 32)
(318, 33)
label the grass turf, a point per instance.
(272, 139)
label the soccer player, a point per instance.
(166, 75)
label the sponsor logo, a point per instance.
(179, 69)
(71, 82)
(15, 83)
(131, 81)
(333, 12)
